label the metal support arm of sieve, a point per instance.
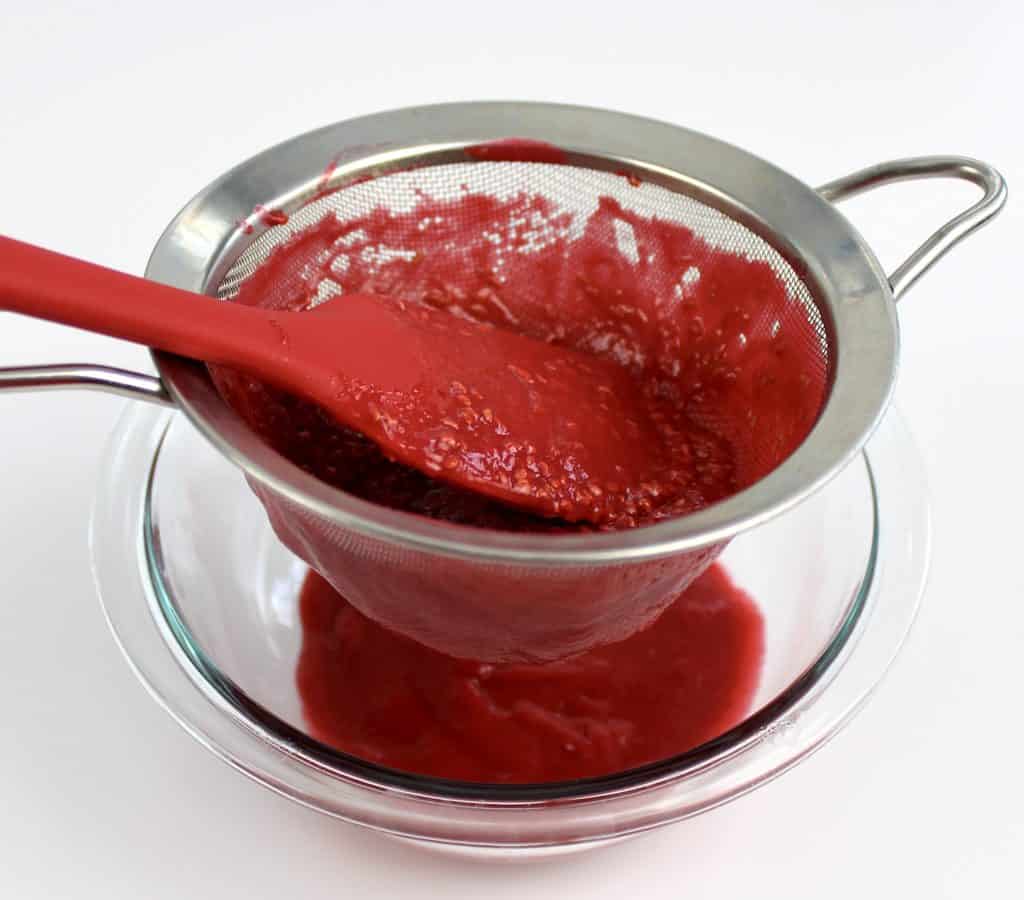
(134, 385)
(950, 234)
(139, 386)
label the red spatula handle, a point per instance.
(63, 289)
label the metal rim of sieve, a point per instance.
(854, 296)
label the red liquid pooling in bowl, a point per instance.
(379, 696)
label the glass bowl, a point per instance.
(202, 599)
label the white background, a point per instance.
(110, 119)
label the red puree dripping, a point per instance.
(695, 327)
(384, 698)
(271, 217)
(518, 150)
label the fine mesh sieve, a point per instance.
(496, 595)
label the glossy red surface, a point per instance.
(676, 388)
(384, 698)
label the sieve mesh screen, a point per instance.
(570, 189)
(507, 217)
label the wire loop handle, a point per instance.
(950, 234)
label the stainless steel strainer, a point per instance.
(494, 595)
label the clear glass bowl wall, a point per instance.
(233, 586)
(203, 600)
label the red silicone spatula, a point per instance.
(534, 425)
